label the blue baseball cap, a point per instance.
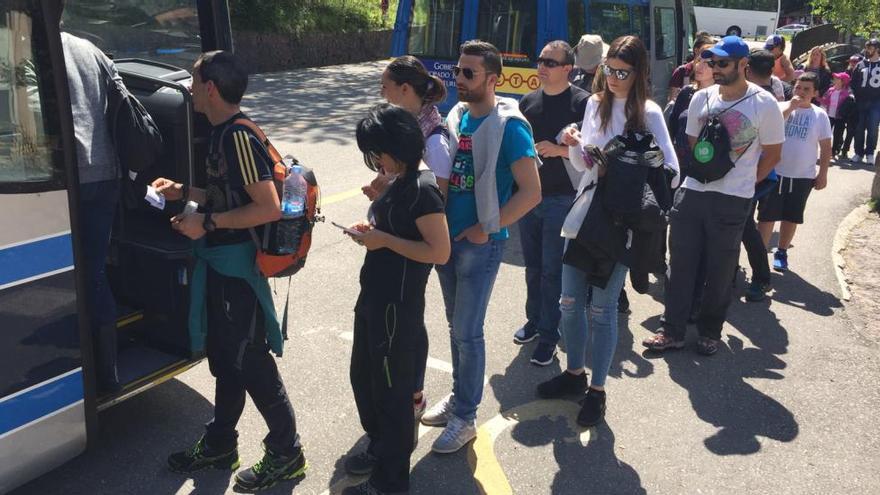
(729, 46)
(773, 41)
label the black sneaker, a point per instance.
(525, 334)
(200, 457)
(544, 354)
(271, 469)
(592, 408)
(360, 464)
(563, 385)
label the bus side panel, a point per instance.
(31, 446)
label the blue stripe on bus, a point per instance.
(35, 258)
(40, 401)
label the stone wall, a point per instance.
(265, 52)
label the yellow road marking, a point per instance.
(336, 198)
(488, 473)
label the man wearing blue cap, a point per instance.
(708, 217)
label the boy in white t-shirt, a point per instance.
(807, 138)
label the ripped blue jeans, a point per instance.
(600, 329)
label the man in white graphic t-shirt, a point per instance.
(807, 137)
(708, 218)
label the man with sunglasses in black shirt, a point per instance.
(549, 109)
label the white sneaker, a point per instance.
(869, 159)
(856, 159)
(439, 413)
(457, 434)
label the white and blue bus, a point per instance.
(744, 18)
(432, 30)
(48, 400)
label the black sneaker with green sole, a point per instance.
(271, 469)
(200, 457)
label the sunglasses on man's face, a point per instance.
(468, 73)
(549, 62)
(619, 74)
(722, 64)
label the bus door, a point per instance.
(667, 45)
(43, 396)
(149, 266)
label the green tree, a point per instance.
(861, 17)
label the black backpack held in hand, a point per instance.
(711, 154)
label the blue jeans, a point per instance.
(869, 121)
(600, 329)
(542, 245)
(466, 281)
(97, 208)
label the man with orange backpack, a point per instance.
(240, 325)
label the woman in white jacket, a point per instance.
(621, 105)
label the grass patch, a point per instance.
(874, 205)
(303, 16)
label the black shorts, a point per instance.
(786, 202)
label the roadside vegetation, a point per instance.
(303, 16)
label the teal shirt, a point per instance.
(461, 206)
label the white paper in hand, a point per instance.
(155, 199)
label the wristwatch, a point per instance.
(208, 224)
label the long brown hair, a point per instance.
(409, 70)
(630, 50)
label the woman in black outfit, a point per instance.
(405, 235)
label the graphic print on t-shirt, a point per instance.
(798, 125)
(741, 131)
(461, 179)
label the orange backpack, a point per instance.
(283, 245)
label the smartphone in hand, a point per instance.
(346, 229)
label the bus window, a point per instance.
(610, 20)
(436, 28)
(26, 136)
(166, 31)
(576, 21)
(510, 25)
(664, 32)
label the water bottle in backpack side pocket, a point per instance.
(293, 209)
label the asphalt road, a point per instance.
(789, 404)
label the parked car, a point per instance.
(790, 29)
(837, 54)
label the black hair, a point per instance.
(409, 70)
(226, 72)
(761, 63)
(567, 51)
(810, 77)
(391, 129)
(491, 56)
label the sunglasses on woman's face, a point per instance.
(722, 64)
(468, 73)
(619, 74)
(371, 159)
(549, 63)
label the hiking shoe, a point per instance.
(200, 457)
(271, 469)
(525, 334)
(367, 488)
(563, 385)
(544, 354)
(438, 414)
(457, 434)
(662, 341)
(592, 408)
(360, 464)
(780, 260)
(755, 292)
(856, 158)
